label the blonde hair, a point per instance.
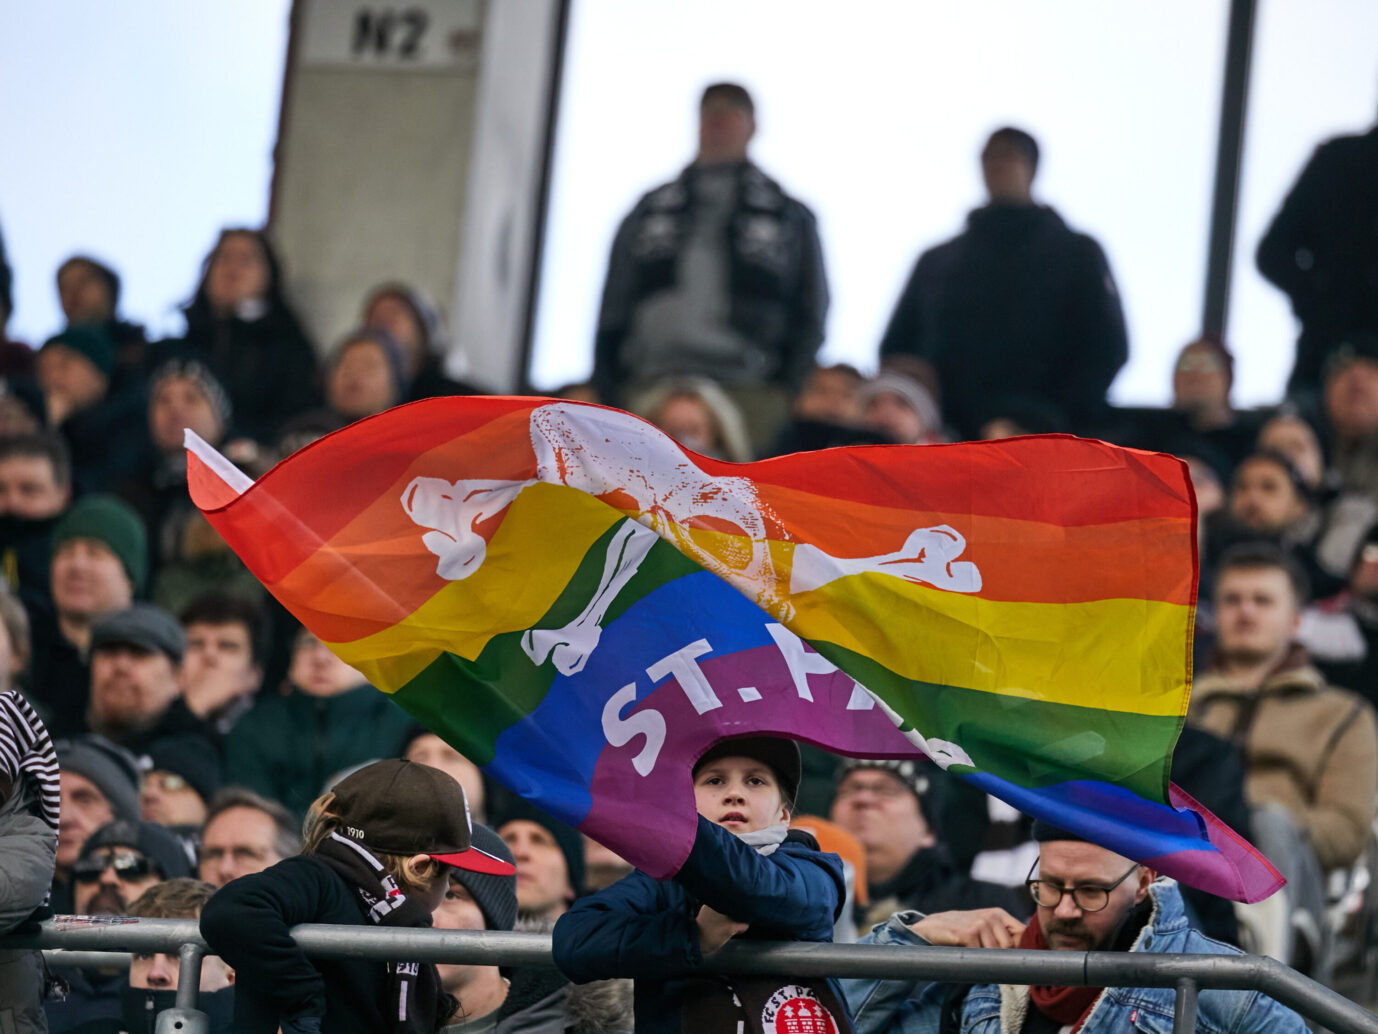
(320, 822)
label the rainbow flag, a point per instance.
(582, 607)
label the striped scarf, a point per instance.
(27, 749)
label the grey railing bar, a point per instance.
(961, 965)
(1184, 1009)
(188, 974)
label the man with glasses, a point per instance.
(1087, 898)
(121, 861)
(118, 863)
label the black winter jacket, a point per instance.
(247, 924)
(1017, 313)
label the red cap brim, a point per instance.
(475, 860)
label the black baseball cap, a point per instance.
(404, 808)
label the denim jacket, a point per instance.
(909, 1007)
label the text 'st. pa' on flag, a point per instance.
(583, 607)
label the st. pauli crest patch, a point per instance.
(794, 1009)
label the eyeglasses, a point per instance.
(168, 782)
(128, 865)
(1087, 897)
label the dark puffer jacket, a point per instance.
(645, 929)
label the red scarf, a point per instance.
(1066, 1005)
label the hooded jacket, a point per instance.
(1307, 746)
(645, 929)
(1017, 303)
(916, 1007)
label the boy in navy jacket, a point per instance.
(747, 875)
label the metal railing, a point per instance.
(1187, 974)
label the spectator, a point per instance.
(1289, 433)
(881, 803)
(602, 866)
(16, 358)
(415, 323)
(426, 748)
(1270, 502)
(1322, 253)
(35, 488)
(22, 410)
(826, 412)
(1346, 516)
(378, 851)
(525, 999)
(222, 668)
(118, 863)
(156, 974)
(89, 292)
(97, 417)
(182, 394)
(135, 697)
(180, 779)
(245, 833)
(241, 326)
(15, 644)
(367, 374)
(98, 784)
(1341, 633)
(699, 415)
(1310, 750)
(478, 901)
(901, 409)
(1202, 421)
(1089, 899)
(328, 719)
(28, 844)
(748, 874)
(1350, 397)
(717, 274)
(100, 559)
(550, 861)
(1018, 299)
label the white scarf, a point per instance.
(765, 840)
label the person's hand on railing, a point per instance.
(716, 929)
(978, 928)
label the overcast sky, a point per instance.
(134, 131)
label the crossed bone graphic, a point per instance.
(612, 454)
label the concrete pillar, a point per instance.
(412, 147)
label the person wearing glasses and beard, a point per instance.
(118, 863)
(1087, 898)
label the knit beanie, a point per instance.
(113, 770)
(206, 383)
(113, 522)
(909, 772)
(190, 756)
(156, 843)
(570, 843)
(496, 896)
(915, 396)
(90, 340)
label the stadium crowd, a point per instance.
(196, 725)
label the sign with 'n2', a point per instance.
(409, 35)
